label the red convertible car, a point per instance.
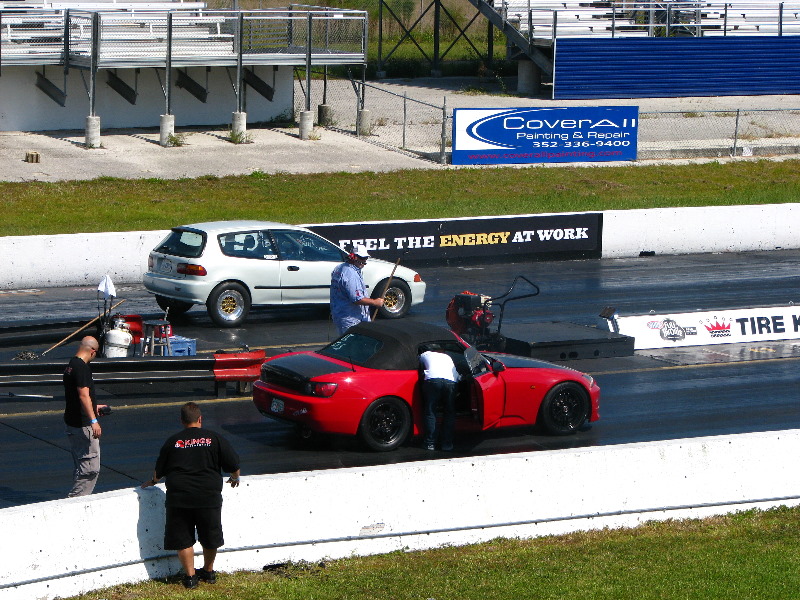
(367, 383)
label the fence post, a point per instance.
(93, 121)
(725, 22)
(613, 21)
(168, 68)
(405, 116)
(443, 152)
(736, 133)
(309, 33)
(381, 73)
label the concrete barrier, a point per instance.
(83, 259)
(66, 547)
(701, 229)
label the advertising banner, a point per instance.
(763, 324)
(573, 234)
(496, 136)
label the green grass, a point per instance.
(106, 204)
(745, 556)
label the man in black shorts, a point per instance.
(192, 461)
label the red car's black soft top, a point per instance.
(388, 345)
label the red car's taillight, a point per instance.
(324, 390)
(187, 269)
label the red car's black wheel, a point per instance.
(386, 424)
(564, 409)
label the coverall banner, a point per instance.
(488, 136)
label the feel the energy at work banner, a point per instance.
(496, 136)
(730, 326)
(578, 234)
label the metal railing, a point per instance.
(547, 20)
(119, 38)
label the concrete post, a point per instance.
(306, 124)
(92, 132)
(239, 127)
(363, 124)
(167, 133)
(529, 78)
(325, 115)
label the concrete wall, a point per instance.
(60, 260)
(26, 108)
(339, 512)
(701, 229)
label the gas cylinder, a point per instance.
(117, 340)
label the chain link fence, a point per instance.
(380, 116)
(424, 129)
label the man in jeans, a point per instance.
(192, 461)
(80, 416)
(438, 387)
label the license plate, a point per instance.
(277, 406)
(167, 266)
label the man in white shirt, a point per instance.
(438, 386)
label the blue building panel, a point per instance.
(674, 67)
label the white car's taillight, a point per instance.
(189, 269)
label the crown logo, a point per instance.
(717, 330)
(718, 327)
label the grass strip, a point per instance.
(746, 555)
(108, 204)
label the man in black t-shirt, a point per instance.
(80, 416)
(192, 461)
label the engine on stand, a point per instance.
(470, 316)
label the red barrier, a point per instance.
(239, 366)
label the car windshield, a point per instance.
(183, 242)
(353, 348)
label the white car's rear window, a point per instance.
(183, 242)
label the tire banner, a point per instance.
(731, 326)
(535, 236)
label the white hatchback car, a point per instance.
(231, 265)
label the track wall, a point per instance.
(62, 260)
(337, 513)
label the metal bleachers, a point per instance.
(543, 21)
(139, 34)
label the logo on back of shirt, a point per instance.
(193, 443)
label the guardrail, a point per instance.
(219, 368)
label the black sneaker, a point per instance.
(190, 581)
(207, 576)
